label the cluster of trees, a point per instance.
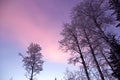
(91, 43)
(88, 40)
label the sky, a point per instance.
(38, 21)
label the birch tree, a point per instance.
(33, 61)
(71, 42)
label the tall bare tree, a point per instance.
(33, 61)
(71, 42)
(83, 28)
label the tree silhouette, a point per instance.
(71, 42)
(33, 60)
(87, 31)
(96, 13)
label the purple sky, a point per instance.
(39, 21)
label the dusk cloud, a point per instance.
(25, 22)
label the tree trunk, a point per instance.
(31, 78)
(93, 54)
(83, 62)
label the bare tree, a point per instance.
(71, 42)
(86, 34)
(33, 61)
(74, 75)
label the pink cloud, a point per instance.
(26, 26)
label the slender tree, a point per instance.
(83, 28)
(93, 53)
(71, 42)
(33, 61)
